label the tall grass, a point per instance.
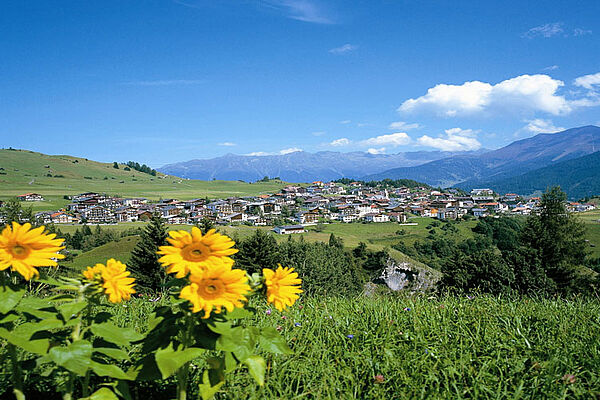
(448, 347)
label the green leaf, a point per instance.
(239, 313)
(257, 367)
(21, 338)
(76, 357)
(270, 340)
(114, 334)
(37, 307)
(112, 371)
(169, 360)
(9, 298)
(116, 354)
(102, 394)
(240, 341)
(70, 310)
(208, 389)
(221, 328)
(8, 318)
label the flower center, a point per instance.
(195, 252)
(212, 288)
(20, 252)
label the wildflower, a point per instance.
(283, 317)
(279, 328)
(282, 286)
(406, 308)
(569, 379)
(300, 307)
(23, 249)
(268, 312)
(95, 272)
(117, 283)
(379, 378)
(216, 287)
(192, 252)
(350, 336)
(297, 325)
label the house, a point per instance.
(62, 218)
(289, 229)
(377, 217)
(480, 212)
(30, 197)
(98, 215)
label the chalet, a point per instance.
(307, 217)
(376, 217)
(399, 217)
(235, 218)
(289, 229)
(480, 212)
(98, 215)
(30, 197)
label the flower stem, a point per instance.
(17, 376)
(183, 372)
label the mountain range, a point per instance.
(300, 166)
(567, 158)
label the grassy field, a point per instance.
(25, 171)
(418, 348)
(592, 222)
(376, 236)
(120, 250)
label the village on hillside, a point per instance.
(297, 206)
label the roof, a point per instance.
(291, 227)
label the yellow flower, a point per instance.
(92, 273)
(192, 252)
(23, 249)
(215, 287)
(116, 281)
(282, 286)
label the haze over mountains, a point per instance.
(300, 166)
(559, 158)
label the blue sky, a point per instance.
(162, 81)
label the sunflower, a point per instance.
(117, 283)
(91, 273)
(23, 249)
(191, 252)
(215, 287)
(282, 286)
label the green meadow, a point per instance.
(25, 171)
(393, 347)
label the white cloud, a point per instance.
(301, 10)
(525, 92)
(290, 150)
(345, 122)
(456, 139)
(588, 81)
(545, 31)
(400, 125)
(347, 48)
(380, 150)
(318, 133)
(551, 68)
(280, 152)
(393, 139)
(581, 32)
(541, 126)
(340, 142)
(227, 144)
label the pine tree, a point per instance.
(146, 269)
(258, 251)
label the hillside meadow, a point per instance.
(24, 171)
(395, 347)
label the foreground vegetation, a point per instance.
(406, 347)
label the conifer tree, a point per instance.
(144, 264)
(257, 252)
